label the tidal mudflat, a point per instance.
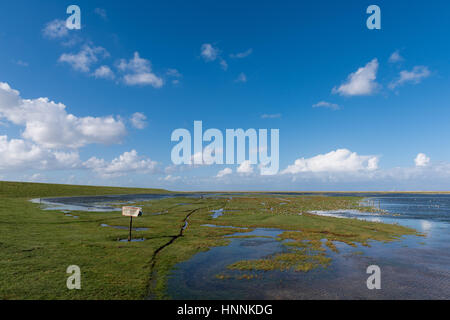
(260, 245)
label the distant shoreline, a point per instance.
(159, 190)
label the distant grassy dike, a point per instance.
(37, 246)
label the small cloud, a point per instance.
(128, 162)
(208, 52)
(241, 55)
(82, 60)
(271, 116)
(173, 73)
(396, 57)
(21, 63)
(415, 76)
(138, 71)
(324, 104)
(55, 29)
(245, 167)
(101, 13)
(421, 160)
(224, 172)
(138, 120)
(205, 157)
(143, 79)
(362, 82)
(223, 64)
(37, 177)
(242, 78)
(170, 178)
(104, 72)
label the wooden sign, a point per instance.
(132, 211)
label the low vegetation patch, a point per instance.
(37, 246)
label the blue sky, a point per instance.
(230, 64)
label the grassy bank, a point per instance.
(27, 190)
(37, 246)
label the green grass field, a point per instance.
(37, 246)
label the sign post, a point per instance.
(131, 226)
(131, 212)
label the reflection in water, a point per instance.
(426, 225)
(53, 205)
(69, 215)
(123, 227)
(132, 240)
(230, 227)
(412, 268)
(217, 213)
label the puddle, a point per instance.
(56, 206)
(229, 227)
(196, 278)
(132, 240)
(123, 227)
(217, 213)
(346, 214)
(69, 215)
(101, 203)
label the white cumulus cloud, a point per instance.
(421, 160)
(18, 154)
(138, 71)
(208, 52)
(416, 75)
(83, 60)
(224, 172)
(395, 57)
(245, 167)
(138, 120)
(128, 162)
(361, 82)
(55, 29)
(49, 124)
(341, 160)
(104, 72)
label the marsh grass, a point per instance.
(36, 246)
